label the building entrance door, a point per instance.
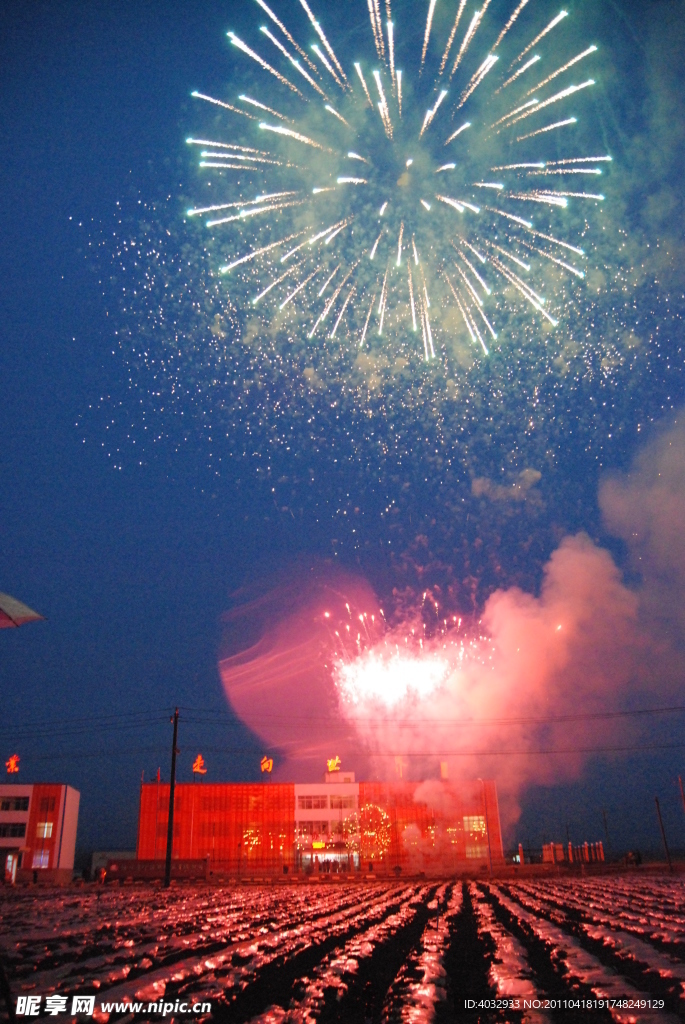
(11, 867)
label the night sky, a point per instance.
(134, 551)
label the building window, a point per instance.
(13, 830)
(312, 803)
(14, 803)
(343, 803)
(313, 828)
(44, 829)
(41, 858)
(477, 851)
(47, 803)
(476, 838)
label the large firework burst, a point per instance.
(430, 185)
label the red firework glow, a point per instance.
(464, 702)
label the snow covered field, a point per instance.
(609, 948)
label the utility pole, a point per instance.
(663, 834)
(172, 787)
(487, 828)
(682, 795)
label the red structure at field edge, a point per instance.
(336, 826)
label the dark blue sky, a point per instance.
(134, 568)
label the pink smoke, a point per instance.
(565, 652)
(645, 508)
(486, 698)
(398, 703)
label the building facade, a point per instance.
(38, 831)
(337, 825)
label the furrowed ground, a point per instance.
(414, 952)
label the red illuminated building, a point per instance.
(38, 831)
(338, 825)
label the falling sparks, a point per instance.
(273, 284)
(326, 63)
(255, 253)
(219, 103)
(296, 291)
(260, 106)
(547, 128)
(391, 52)
(470, 33)
(334, 112)
(553, 24)
(509, 24)
(366, 322)
(262, 63)
(286, 33)
(487, 66)
(458, 132)
(430, 114)
(295, 63)
(562, 69)
(360, 73)
(517, 74)
(450, 40)
(383, 105)
(383, 302)
(279, 130)
(319, 31)
(411, 296)
(429, 22)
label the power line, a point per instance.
(27, 733)
(89, 719)
(221, 717)
(458, 722)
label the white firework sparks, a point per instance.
(393, 109)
